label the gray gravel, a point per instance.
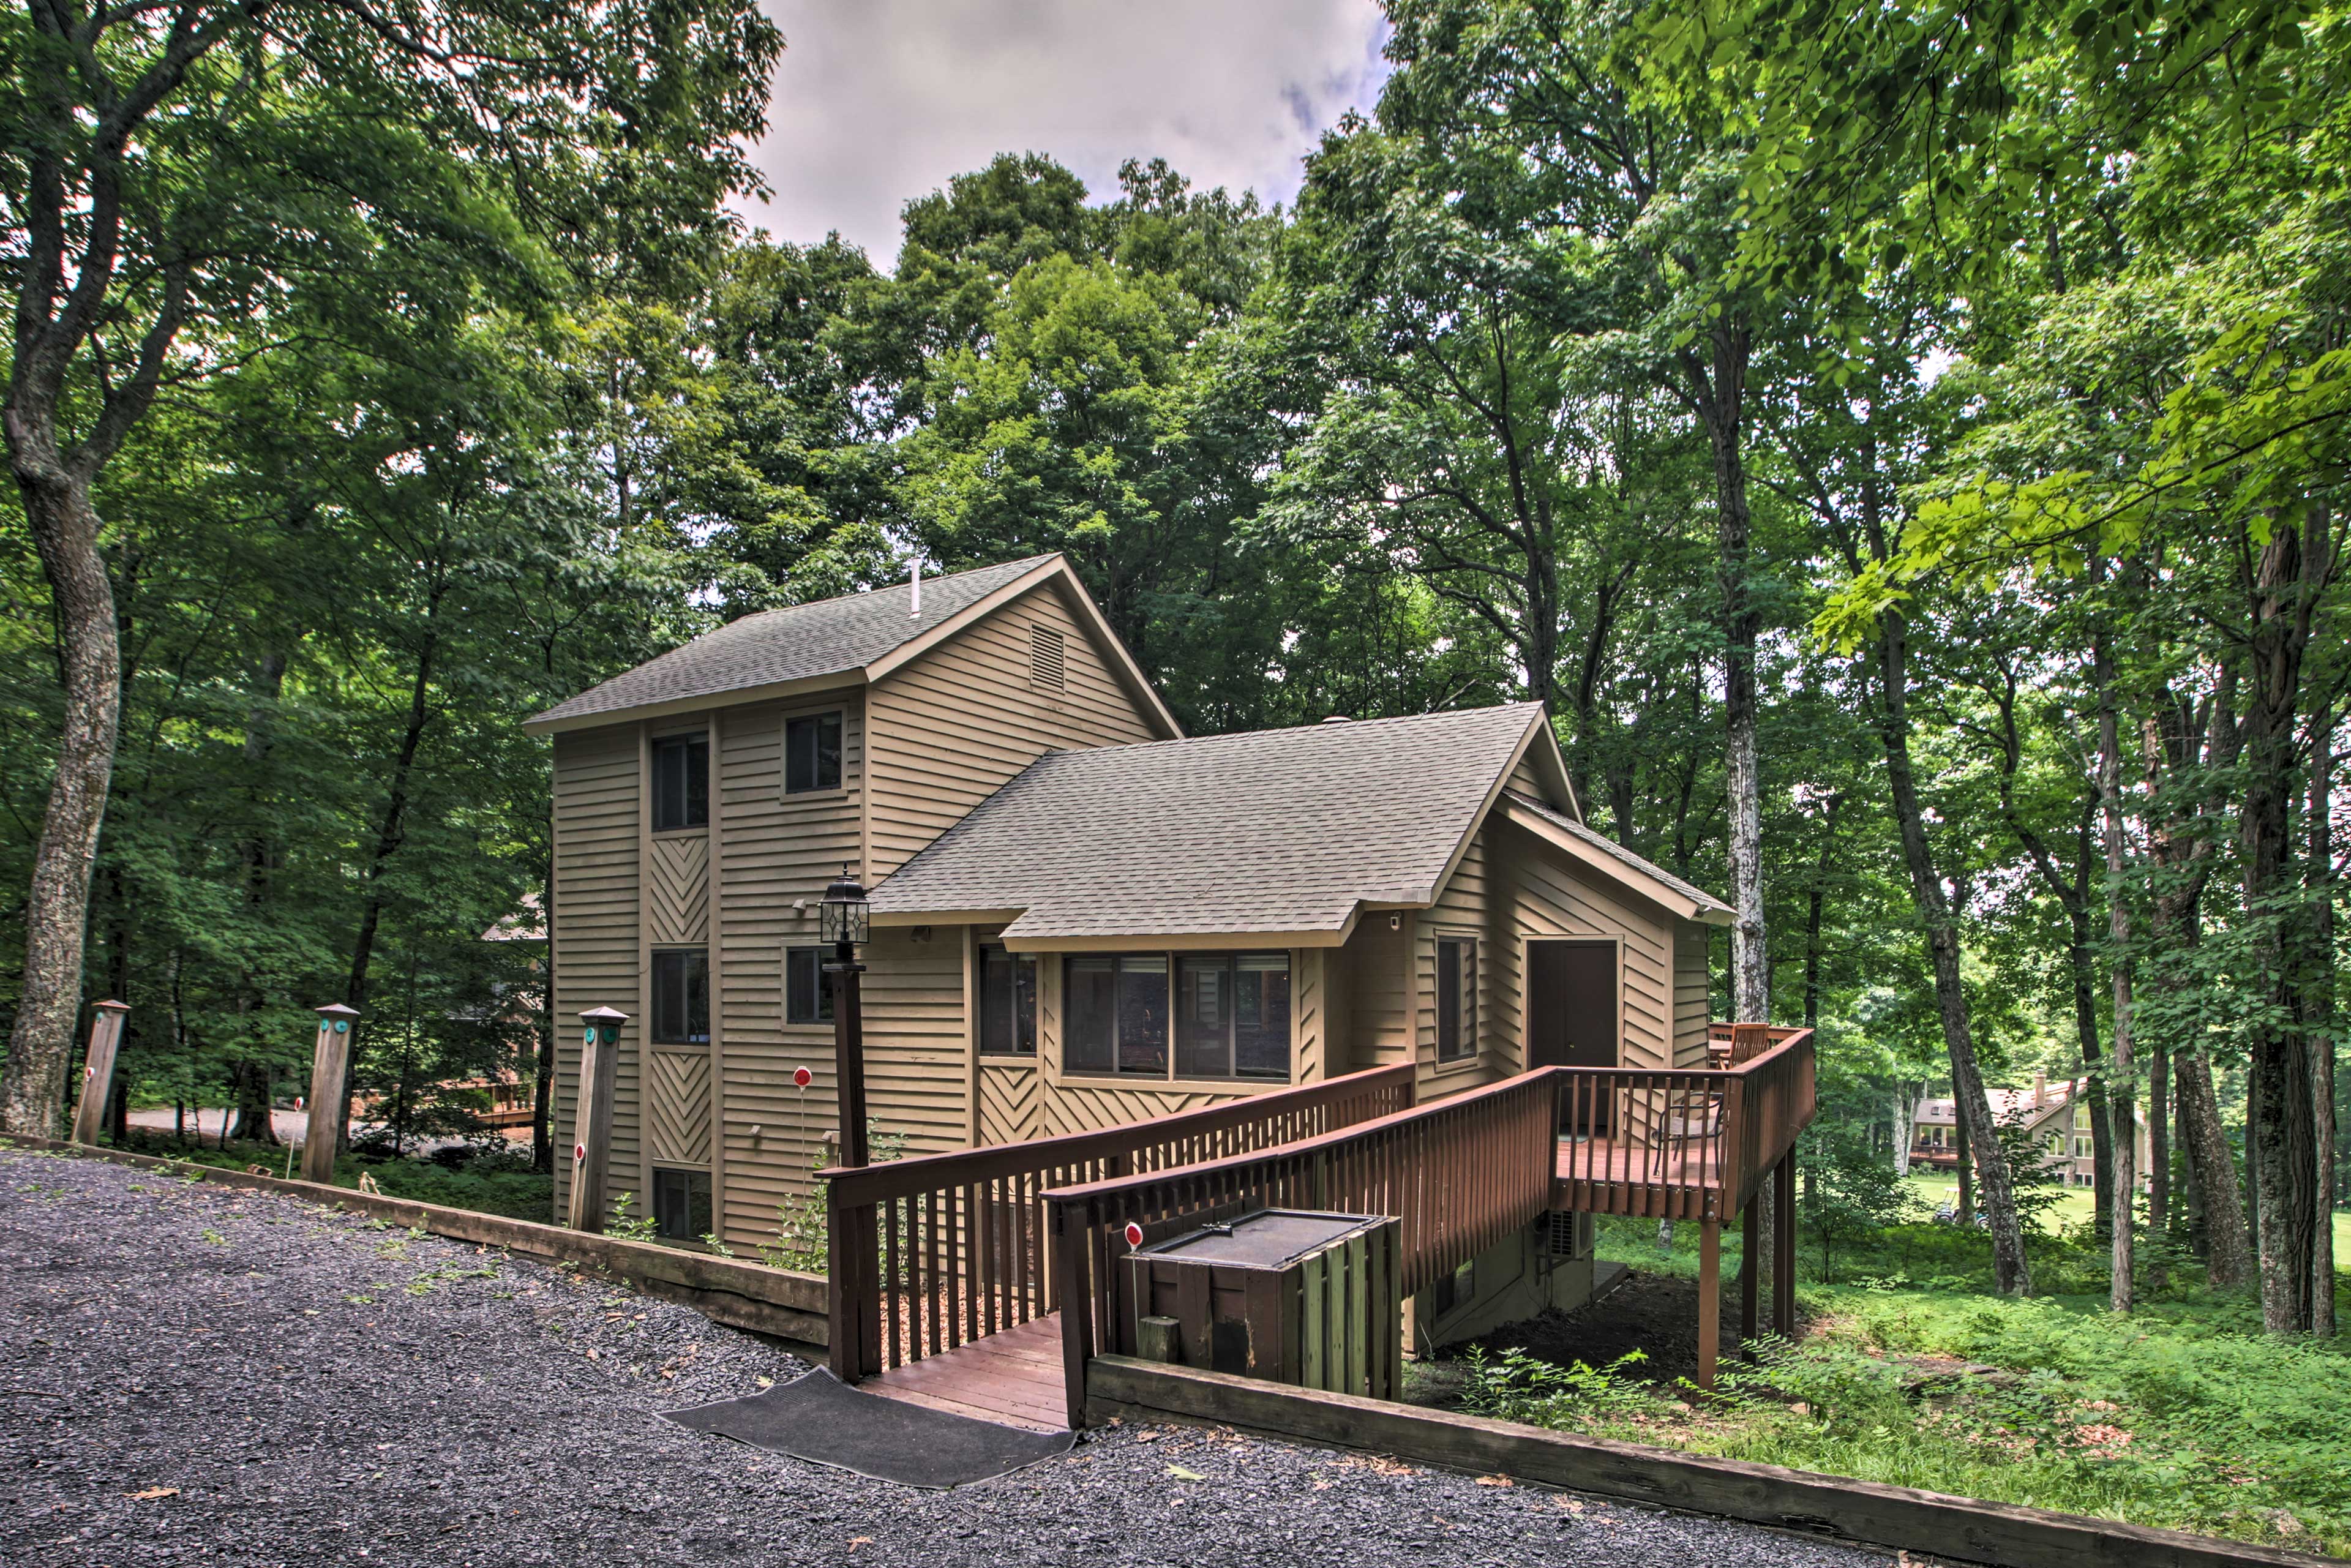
(193, 1375)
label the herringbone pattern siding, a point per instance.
(677, 893)
(1010, 1101)
(677, 1106)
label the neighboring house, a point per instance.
(2056, 1117)
(1080, 918)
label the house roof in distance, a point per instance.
(1281, 834)
(831, 643)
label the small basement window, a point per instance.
(1007, 1003)
(681, 781)
(1046, 648)
(808, 990)
(682, 1205)
(812, 753)
(680, 996)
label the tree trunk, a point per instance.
(2278, 1113)
(2083, 964)
(2010, 1274)
(65, 531)
(1717, 389)
(2118, 930)
(2319, 1019)
(394, 828)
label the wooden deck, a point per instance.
(1012, 1377)
(1624, 1174)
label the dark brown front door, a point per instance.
(1571, 1016)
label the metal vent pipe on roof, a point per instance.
(917, 608)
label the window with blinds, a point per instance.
(1045, 653)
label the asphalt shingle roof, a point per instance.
(1273, 831)
(1618, 852)
(828, 637)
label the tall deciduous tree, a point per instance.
(191, 162)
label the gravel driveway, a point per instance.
(195, 1375)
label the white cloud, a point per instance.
(880, 100)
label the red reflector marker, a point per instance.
(1133, 1234)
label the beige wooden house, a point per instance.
(1081, 917)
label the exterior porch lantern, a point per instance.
(844, 921)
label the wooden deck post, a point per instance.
(1783, 1247)
(98, 1069)
(591, 1122)
(330, 1059)
(1750, 1275)
(1709, 1298)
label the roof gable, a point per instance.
(1613, 860)
(1279, 833)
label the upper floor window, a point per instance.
(812, 753)
(1456, 997)
(680, 996)
(1007, 1003)
(681, 781)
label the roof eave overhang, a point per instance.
(771, 691)
(1181, 941)
(1661, 893)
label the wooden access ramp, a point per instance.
(1013, 1377)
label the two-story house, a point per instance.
(1081, 917)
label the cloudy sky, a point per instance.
(879, 101)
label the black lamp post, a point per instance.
(843, 917)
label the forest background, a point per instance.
(1905, 453)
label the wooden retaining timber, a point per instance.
(729, 1290)
(935, 1252)
(2002, 1534)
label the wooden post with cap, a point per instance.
(98, 1069)
(331, 1058)
(591, 1124)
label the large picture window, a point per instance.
(808, 990)
(1230, 1014)
(812, 753)
(681, 781)
(1456, 997)
(680, 996)
(1007, 1003)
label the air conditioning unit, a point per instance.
(1287, 1295)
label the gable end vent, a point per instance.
(1045, 651)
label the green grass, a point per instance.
(2076, 1205)
(2181, 1414)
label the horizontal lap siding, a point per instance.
(1693, 999)
(917, 1060)
(1370, 973)
(953, 725)
(775, 849)
(595, 923)
(1553, 897)
(1465, 907)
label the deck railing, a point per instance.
(929, 1253)
(1687, 1143)
(1462, 1174)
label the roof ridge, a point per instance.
(1319, 727)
